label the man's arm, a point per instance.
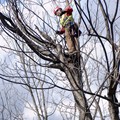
(68, 10)
(62, 30)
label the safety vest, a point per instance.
(64, 20)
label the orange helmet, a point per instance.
(56, 9)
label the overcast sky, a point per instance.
(2, 1)
(28, 114)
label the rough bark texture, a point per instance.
(114, 109)
(72, 68)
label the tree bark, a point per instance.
(74, 75)
(114, 109)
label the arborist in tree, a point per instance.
(69, 27)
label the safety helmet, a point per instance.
(56, 9)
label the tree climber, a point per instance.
(69, 27)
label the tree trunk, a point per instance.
(72, 68)
(74, 76)
(113, 109)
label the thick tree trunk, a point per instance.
(74, 76)
(113, 109)
(72, 68)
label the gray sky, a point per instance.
(28, 114)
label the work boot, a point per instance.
(67, 54)
(73, 52)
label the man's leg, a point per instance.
(76, 44)
(69, 40)
(73, 30)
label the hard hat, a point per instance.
(56, 9)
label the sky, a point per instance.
(29, 114)
(2, 1)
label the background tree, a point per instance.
(87, 76)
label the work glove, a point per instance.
(57, 32)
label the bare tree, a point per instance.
(80, 69)
(109, 24)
